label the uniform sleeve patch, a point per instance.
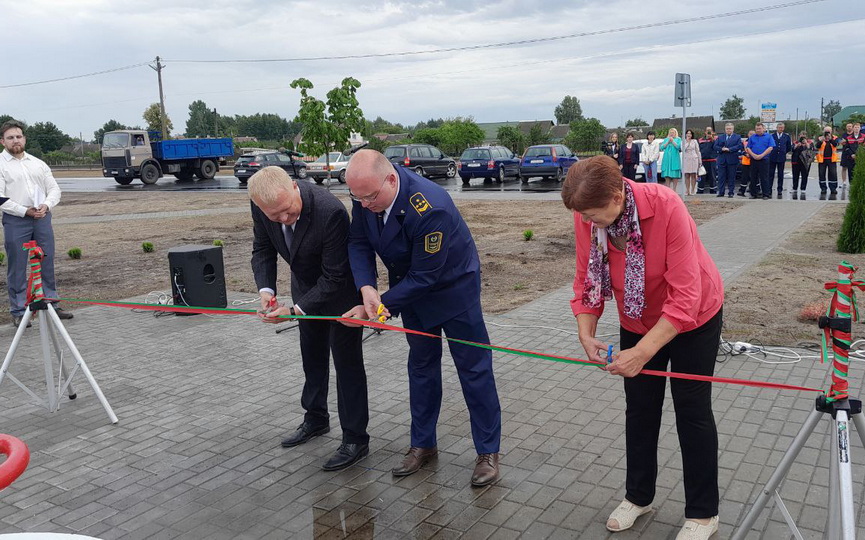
(432, 242)
(419, 203)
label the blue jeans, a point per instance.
(651, 172)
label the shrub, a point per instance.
(2, 257)
(217, 242)
(852, 237)
(147, 247)
(74, 253)
(528, 234)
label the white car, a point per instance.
(641, 173)
(317, 170)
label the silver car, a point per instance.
(317, 170)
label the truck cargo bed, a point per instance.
(193, 148)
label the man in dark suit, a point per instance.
(434, 275)
(308, 227)
(727, 148)
(778, 157)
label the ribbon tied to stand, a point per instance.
(836, 326)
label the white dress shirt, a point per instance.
(27, 182)
(268, 289)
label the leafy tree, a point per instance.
(636, 122)
(853, 118)
(111, 125)
(457, 134)
(266, 127)
(585, 135)
(513, 138)
(569, 110)
(5, 118)
(733, 108)
(153, 117)
(202, 121)
(47, 136)
(431, 136)
(328, 126)
(831, 109)
(852, 237)
(537, 136)
(743, 127)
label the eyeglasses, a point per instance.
(368, 198)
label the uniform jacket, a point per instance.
(431, 258)
(707, 149)
(321, 280)
(734, 143)
(783, 146)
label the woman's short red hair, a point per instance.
(592, 183)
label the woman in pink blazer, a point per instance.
(637, 242)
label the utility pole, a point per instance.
(162, 118)
(822, 114)
(215, 123)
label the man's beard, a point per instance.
(16, 150)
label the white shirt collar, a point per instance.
(389, 208)
(9, 157)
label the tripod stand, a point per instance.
(49, 326)
(841, 516)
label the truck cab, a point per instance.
(124, 153)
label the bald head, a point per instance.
(371, 179)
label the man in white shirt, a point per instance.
(30, 192)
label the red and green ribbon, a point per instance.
(842, 306)
(34, 281)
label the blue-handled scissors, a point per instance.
(610, 354)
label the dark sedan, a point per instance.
(249, 164)
(488, 162)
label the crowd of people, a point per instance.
(717, 164)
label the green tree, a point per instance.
(733, 108)
(457, 134)
(855, 117)
(202, 121)
(266, 127)
(569, 110)
(47, 136)
(743, 127)
(153, 118)
(852, 236)
(111, 125)
(513, 138)
(831, 109)
(328, 125)
(431, 136)
(585, 135)
(636, 122)
(537, 136)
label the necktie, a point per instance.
(380, 220)
(288, 233)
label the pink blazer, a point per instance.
(683, 284)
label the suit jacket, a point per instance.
(783, 146)
(432, 261)
(321, 280)
(734, 143)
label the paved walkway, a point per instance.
(204, 401)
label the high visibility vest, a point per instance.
(835, 157)
(746, 159)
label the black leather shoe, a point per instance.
(63, 314)
(304, 433)
(348, 454)
(16, 322)
(780, 195)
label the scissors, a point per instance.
(610, 354)
(379, 312)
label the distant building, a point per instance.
(545, 125)
(696, 123)
(392, 137)
(840, 118)
(491, 130)
(245, 139)
(559, 132)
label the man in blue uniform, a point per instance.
(434, 277)
(727, 148)
(778, 157)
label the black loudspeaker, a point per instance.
(197, 276)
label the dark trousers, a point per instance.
(629, 171)
(850, 171)
(726, 177)
(317, 340)
(777, 169)
(707, 181)
(16, 232)
(799, 170)
(761, 182)
(474, 368)
(832, 170)
(689, 352)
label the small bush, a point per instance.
(217, 242)
(519, 286)
(2, 257)
(147, 247)
(528, 234)
(852, 236)
(74, 253)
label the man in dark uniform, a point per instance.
(434, 276)
(778, 158)
(308, 227)
(727, 148)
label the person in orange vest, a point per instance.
(827, 162)
(745, 180)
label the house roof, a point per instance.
(546, 126)
(697, 123)
(491, 129)
(846, 112)
(559, 132)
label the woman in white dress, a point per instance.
(691, 159)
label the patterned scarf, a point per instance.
(597, 282)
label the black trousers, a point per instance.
(689, 352)
(629, 171)
(799, 170)
(707, 181)
(317, 340)
(745, 179)
(831, 169)
(777, 169)
(761, 181)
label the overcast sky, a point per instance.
(790, 55)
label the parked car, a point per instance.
(547, 160)
(249, 164)
(317, 170)
(488, 162)
(424, 159)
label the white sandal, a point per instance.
(625, 515)
(695, 531)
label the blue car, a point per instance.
(488, 162)
(547, 161)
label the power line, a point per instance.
(74, 76)
(511, 43)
